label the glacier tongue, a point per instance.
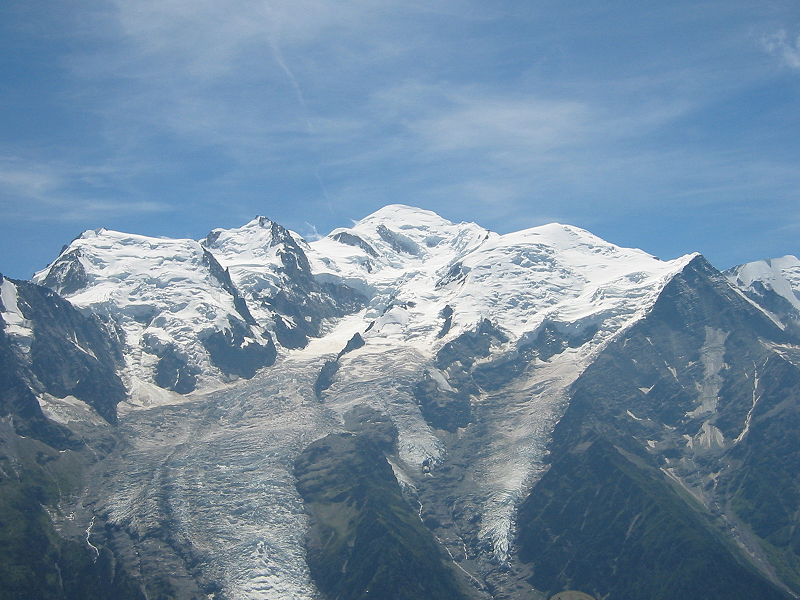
(217, 473)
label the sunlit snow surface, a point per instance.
(221, 460)
(160, 291)
(781, 275)
(16, 324)
(252, 255)
(516, 280)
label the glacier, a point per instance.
(214, 462)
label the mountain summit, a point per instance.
(405, 408)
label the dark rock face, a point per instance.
(235, 352)
(35, 561)
(351, 239)
(173, 372)
(442, 408)
(69, 353)
(549, 341)
(366, 541)
(398, 241)
(762, 486)
(325, 378)
(680, 398)
(67, 275)
(373, 425)
(455, 275)
(449, 408)
(354, 343)
(447, 315)
(329, 369)
(607, 523)
(469, 346)
(18, 402)
(304, 304)
(224, 277)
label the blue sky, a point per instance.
(669, 126)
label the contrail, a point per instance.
(277, 53)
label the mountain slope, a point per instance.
(410, 400)
(59, 391)
(647, 451)
(367, 541)
(52, 356)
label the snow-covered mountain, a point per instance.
(181, 318)
(224, 306)
(430, 281)
(413, 400)
(270, 267)
(774, 284)
(415, 266)
(457, 313)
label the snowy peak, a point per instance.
(180, 313)
(416, 233)
(260, 247)
(398, 236)
(420, 225)
(256, 238)
(231, 303)
(555, 273)
(409, 216)
(772, 283)
(268, 264)
(128, 270)
(562, 237)
(416, 266)
(781, 275)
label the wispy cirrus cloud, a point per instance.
(784, 46)
(507, 113)
(48, 192)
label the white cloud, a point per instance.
(26, 180)
(34, 191)
(358, 95)
(256, 80)
(504, 125)
(309, 232)
(784, 46)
